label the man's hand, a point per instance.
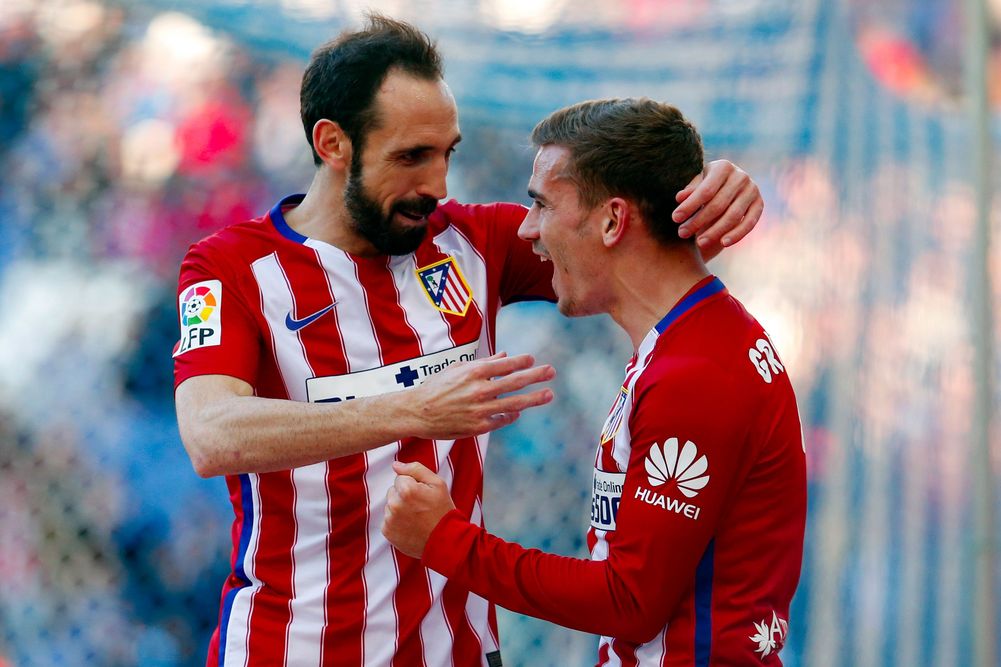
(415, 504)
(468, 398)
(719, 207)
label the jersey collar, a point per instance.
(700, 292)
(278, 218)
(704, 289)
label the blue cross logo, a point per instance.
(407, 376)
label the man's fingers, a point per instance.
(392, 500)
(413, 472)
(492, 367)
(404, 485)
(730, 222)
(520, 402)
(686, 193)
(507, 410)
(521, 379)
(710, 216)
(704, 190)
(751, 218)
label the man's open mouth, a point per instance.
(416, 217)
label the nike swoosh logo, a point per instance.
(295, 325)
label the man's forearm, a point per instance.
(576, 593)
(229, 430)
(243, 434)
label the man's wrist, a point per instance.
(405, 406)
(447, 544)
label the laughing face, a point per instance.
(397, 181)
(565, 233)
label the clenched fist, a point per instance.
(415, 504)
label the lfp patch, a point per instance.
(200, 308)
(446, 287)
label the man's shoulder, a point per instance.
(721, 347)
(466, 216)
(236, 239)
(230, 250)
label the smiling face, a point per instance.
(564, 232)
(399, 177)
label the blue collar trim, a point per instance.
(714, 286)
(278, 218)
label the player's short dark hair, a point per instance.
(344, 75)
(638, 149)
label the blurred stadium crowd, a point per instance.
(118, 150)
(126, 134)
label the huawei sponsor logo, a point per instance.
(665, 463)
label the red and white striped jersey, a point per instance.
(698, 506)
(313, 581)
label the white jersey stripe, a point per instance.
(653, 652)
(276, 301)
(311, 511)
(621, 448)
(360, 344)
(434, 334)
(477, 609)
(613, 658)
(477, 614)
(381, 577)
(404, 280)
(435, 624)
(310, 566)
(238, 631)
(361, 351)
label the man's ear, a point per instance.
(332, 144)
(618, 218)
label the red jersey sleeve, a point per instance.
(525, 277)
(219, 334)
(661, 535)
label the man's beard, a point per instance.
(379, 229)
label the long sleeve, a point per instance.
(661, 536)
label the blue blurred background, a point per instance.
(128, 130)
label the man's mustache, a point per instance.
(419, 207)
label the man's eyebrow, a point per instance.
(422, 148)
(537, 196)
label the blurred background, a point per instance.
(128, 130)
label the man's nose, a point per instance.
(434, 182)
(529, 228)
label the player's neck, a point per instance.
(649, 283)
(322, 216)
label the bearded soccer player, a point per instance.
(299, 331)
(699, 489)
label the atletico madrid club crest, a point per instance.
(446, 287)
